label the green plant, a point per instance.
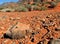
(36, 7)
(57, 1)
(52, 4)
(21, 9)
(28, 6)
(1, 8)
(43, 8)
(37, 4)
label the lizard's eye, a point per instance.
(16, 27)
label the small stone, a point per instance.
(2, 27)
(1, 36)
(57, 41)
(5, 41)
(20, 42)
(14, 43)
(32, 40)
(40, 42)
(57, 29)
(18, 18)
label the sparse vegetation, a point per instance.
(57, 1)
(29, 7)
(21, 9)
(43, 8)
(52, 4)
(1, 8)
(25, 5)
(36, 7)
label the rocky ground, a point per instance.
(35, 27)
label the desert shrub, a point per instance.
(52, 4)
(57, 1)
(1, 8)
(28, 6)
(43, 8)
(21, 9)
(37, 4)
(36, 7)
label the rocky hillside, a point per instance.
(25, 5)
